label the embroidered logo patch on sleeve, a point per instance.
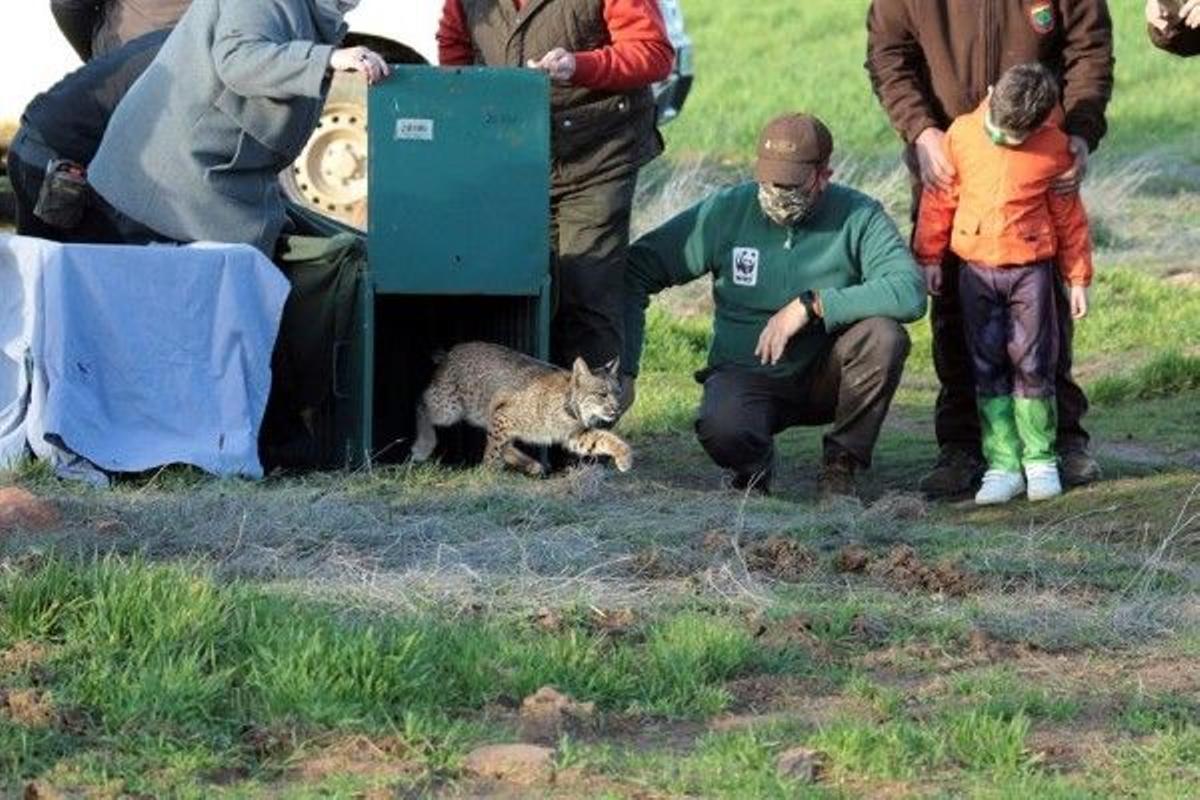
(1041, 15)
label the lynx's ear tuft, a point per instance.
(613, 367)
(579, 370)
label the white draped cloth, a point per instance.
(127, 358)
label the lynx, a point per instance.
(517, 398)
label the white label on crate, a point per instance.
(414, 129)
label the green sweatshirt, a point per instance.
(848, 252)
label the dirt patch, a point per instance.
(358, 755)
(28, 707)
(21, 510)
(522, 764)
(23, 657)
(904, 570)
(1186, 277)
(780, 557)
(852, 558)
(794, 629)
(657, 563)
(901, 506)
(613, 622)
(802, 764)
(548, 714)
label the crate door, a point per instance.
(460, 181)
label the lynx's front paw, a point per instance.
(623, 457)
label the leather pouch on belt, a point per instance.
(64, 195)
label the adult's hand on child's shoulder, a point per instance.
(1071, 180)
(937, 171)
(1156, 15)
(1079, 302)
(1189, 14)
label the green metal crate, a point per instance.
(459, 242)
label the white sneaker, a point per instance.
(1043, 481)
(999, 486)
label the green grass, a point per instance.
(756, 60)
(1166, 374)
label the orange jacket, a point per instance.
(1001, 210)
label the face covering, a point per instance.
(998, 135)
(786, 206)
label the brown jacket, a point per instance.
(1177, 39)
(931, 61)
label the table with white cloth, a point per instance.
(123, 359)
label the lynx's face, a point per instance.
(596, 394)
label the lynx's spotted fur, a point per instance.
(517, 398)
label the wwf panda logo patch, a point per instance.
(745, 266)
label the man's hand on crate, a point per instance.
(559, 64)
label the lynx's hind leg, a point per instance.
(521, 461)
(426, 439)
(438, 406)
(602, 443)
(499, 437)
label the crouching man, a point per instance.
(811, 282)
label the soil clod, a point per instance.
(21, 510)
(522, 764)
(548, 714)
(801, 764)
(781, 557)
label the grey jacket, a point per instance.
(194, 149)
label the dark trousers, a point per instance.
(1012, 328)
(851, 386)
(956, 415)
(26, 163)
(27, 160)
(589, 229)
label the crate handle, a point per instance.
(338, 392)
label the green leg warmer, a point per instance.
(1001, 441)
(1037, 424)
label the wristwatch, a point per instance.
(809, 301)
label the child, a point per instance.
(1011, 230)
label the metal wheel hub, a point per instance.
(331, 172)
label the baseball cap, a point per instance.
(791, 148)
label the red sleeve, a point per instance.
(453, 38)
(1074, 239)
(640, 53)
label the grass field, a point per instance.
(754, 60)
(360, 635)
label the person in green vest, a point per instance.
(811, 283)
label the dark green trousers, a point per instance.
(589, 235)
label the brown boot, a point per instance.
(956, 472)
(837, 477)
(1077, 467)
